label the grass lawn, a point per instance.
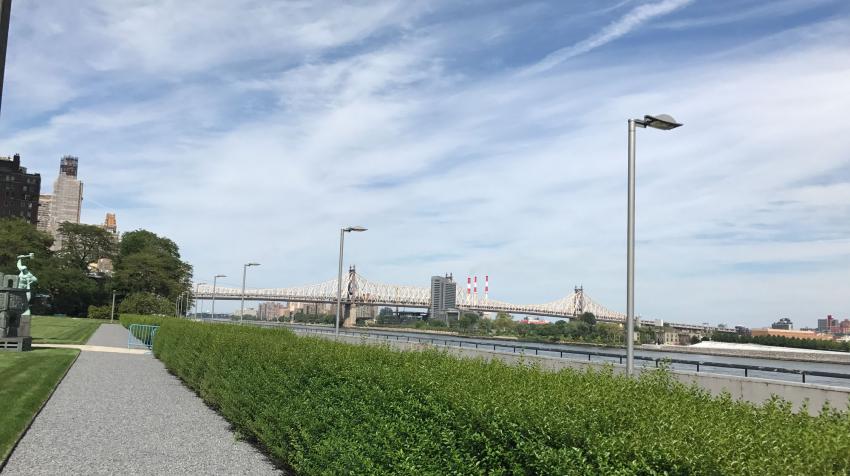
(27, 379)
(62, 330)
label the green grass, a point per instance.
(62, 330)
(26, 379)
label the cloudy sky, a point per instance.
(478, 137)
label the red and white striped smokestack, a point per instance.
(475, 288)
(486, 286)
(468, 289)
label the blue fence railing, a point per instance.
(141, 335)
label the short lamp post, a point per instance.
(342, 233)
(215, 278)
(663, 122)
(244, 274)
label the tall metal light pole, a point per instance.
(5, 11)
(342, 232)
(177, 303)
(215, 278)
(112, 313)
(197, 286)
(244, 273)
(663, 122)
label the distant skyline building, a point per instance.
(443, 298)
(271, 311)
(19, 196)
(110, 224)
(44, 202)
(783, 323)
(65, 204)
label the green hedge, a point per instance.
(127, 319)
(322, 407)
(100, 312)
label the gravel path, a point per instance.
(109, 335)
(125, 414)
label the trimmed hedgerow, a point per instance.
(127, 319)
(322, 407)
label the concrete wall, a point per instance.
(748, 389)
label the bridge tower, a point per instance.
(349, 308)
(579, 300)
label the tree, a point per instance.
(18, 237)
(469, 320)
(66, 289)
(150, 263)
(83, 244)
(146, 303)
(504, 323)
(588, 318)
(60, 288)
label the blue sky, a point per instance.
(482, 137)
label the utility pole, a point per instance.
(5, 11)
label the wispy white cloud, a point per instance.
(454, 171)
(758, 11)
(621, 27)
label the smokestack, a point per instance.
(475, 289)
(468, 290)
(486, 287)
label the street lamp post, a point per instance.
(197, 287)
(112, 313)
(215, 278)
(244, 273)
(342, 232)
(177, 305)
(663, 122)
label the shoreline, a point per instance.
(767, 354)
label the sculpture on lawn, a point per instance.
(14, 307)
(26, 279)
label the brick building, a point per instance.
(19, 190)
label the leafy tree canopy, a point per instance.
(150, 263)
(588, 318)
(83, 244)
(146, 303)
(18, 237)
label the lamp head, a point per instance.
(220, 276)
(252, 264)
(355, 228)
(661, 121)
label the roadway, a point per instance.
(614, 354)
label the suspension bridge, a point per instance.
(359, 291)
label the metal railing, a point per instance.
(141, 335)
(699, 365)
